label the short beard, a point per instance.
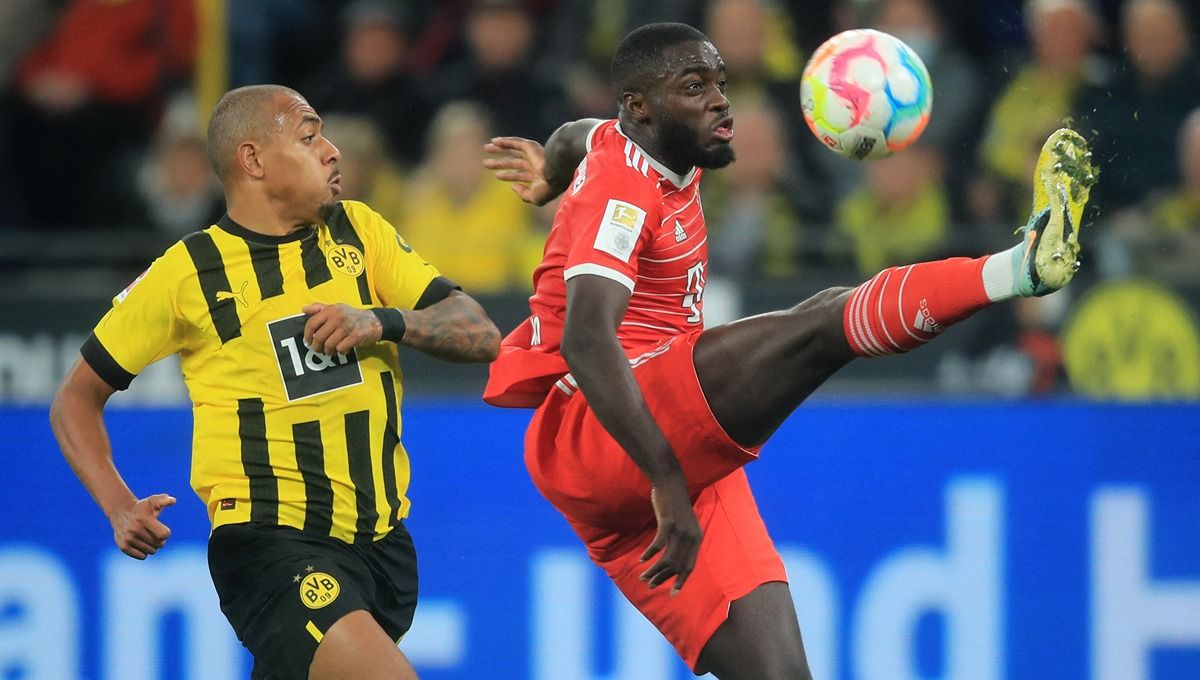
(325, 211)
(680, 141)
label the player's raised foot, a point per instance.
(1062, 180)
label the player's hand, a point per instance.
(336, 329)
(136, 528)
(678, 537)
(522, 162)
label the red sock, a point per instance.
(905, 307)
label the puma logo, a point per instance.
(240, 296)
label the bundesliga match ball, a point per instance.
(866, 94)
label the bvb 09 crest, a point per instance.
(318, 589)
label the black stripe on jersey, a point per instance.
(256, 463)
(391, 439)
(96, 355)
(316, 269)
(438, 289)
(343, 232)
(358, 453)
(211, 271)
(318, 490)
(265, 258)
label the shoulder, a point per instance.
(614, 168)
(362, 219)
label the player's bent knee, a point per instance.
(819, 319)
(356, 647)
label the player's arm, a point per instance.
(453, 327)
(540, 174)
(595, 307)
(76, 416)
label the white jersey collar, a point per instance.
(680, 181)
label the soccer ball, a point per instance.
(866, 94)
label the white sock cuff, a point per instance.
(999, 280)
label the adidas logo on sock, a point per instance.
(924, 320)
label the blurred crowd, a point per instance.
(102, 112)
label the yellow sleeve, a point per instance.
(398, 274)
(142, 326)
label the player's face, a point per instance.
(694, 125)
(301, 164)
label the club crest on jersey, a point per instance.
(619, 229)
(121, 296)
(345, 259)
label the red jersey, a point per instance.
(630, 219)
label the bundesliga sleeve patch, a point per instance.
(123, 294)
(619, 229)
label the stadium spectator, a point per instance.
(762, 62)
(958, 98)
(754, 228)
(271, 40)
(1161, 236)
(368, 171)
(900, 214)
(459, 216)
(176, 186)
(373, 78)
(1038, 99)
(501, 72)
(94, 89)
(1134, 116)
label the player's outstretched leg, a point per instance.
(756, 371)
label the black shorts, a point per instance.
(282, 589)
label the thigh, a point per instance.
(283, 590)
(759, 641)
(356, 647)
(756, 371)
(736, 557)
(589, 477)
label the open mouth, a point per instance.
(724, 130)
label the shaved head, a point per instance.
(244, 114)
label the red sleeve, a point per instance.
(612, 213)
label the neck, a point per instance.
(261, 217)
(650, 144)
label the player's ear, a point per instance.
(249, 159)
(637, 104)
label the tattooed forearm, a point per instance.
(455, 329)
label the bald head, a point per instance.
(245, 114)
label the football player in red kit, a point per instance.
(644, 419)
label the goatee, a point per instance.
(680, 141)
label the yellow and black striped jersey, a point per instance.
(281, 434)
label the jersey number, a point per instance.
(695, 288)
(304, 371)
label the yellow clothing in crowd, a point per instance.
(881, 235)
(486, 243)
(1031, 106)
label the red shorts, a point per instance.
(582, 470)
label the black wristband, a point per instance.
(392, 321)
